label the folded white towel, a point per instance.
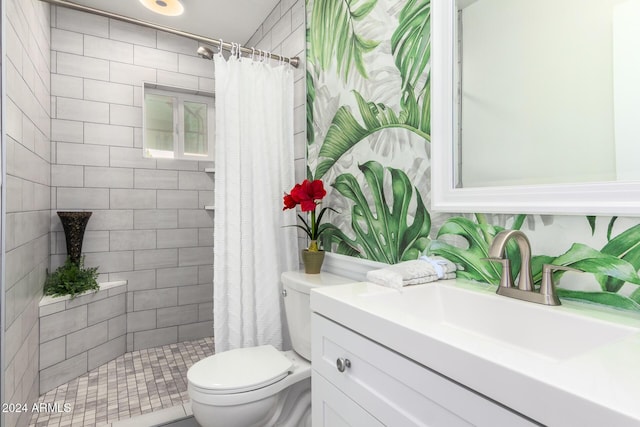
(413, 272)
(442, 266)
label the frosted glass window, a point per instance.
(159, 129)
(195, 128)
(177, 124)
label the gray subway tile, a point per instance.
(105, 177)
(195, 218)
(155, 338)
(108, 134)
(111, 50)
(177, 199)
(125, 115)
(136, 280)
(205, 274)
(198, 294)
(156, 219)
(106, 309)
(67, 176)
(52, 352)
(81, 154)
(155, 58)
(81, 66)
(80, 22)
(82, 198)
(84, 339)
(113, 93)
(109, 262)
(156, 258)
(66, 41)
(131, 33)
(132, 199)
(195, 256)
(177, 238)
(141, 320)
(126, 240)
(157, 298)
(67, 131)
(110, 220)
(125, 157)
(62, 372)
(179, 315)
(106, 352)
(205, 312)
(86, 298)
(62, 323)
(86, 111)
(195, 180)
(177, 276)
(195, 331)
(131, 74)
(156, 179)
(117, 326)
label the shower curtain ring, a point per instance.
(253, 53)
(220, 47)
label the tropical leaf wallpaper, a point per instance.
(368, 139)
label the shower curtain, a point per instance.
(254, 166)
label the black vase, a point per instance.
(74, 224)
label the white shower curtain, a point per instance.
(254, 166)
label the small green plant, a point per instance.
(71, 279)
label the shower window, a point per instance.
(177, 124)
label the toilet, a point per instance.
(262, 386)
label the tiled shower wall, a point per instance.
(27, 183)
(149, 225)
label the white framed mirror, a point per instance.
(535, 106)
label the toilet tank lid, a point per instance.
(240, 370)
(303, 282)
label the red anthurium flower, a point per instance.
(289, 202)
(308, 195)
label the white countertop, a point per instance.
(596, 387)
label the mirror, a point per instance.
(533, 111)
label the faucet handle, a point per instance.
(547, 286)
(506, 280)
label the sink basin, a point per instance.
(553, 332)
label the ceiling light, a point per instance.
(164, 7)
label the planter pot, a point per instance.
(74, 224)
(312, 261)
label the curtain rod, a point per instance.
(294, 62)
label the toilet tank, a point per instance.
(296, 286)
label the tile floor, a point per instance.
(135, 383)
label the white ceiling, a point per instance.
(231, 20)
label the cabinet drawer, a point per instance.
(332, 408)
(394, 389)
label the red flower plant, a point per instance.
(308, 195)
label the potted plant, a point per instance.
(72, 278)
(309, 195)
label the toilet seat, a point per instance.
(240, 370)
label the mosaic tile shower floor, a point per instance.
(135, 383)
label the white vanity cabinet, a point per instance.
(358, 382)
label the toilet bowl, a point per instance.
(262, 386)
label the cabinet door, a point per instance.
(332, 408)
(395, 390)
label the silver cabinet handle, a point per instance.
(284, 292)
(343, 364)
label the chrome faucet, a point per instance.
(524, 291)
